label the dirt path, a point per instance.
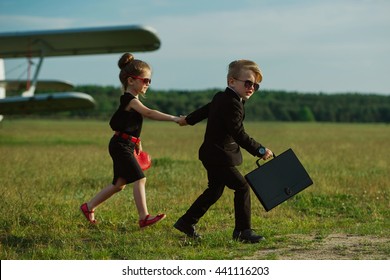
(332, 247)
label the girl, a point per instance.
(135, 76)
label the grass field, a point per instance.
(48, 168)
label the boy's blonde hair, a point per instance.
(235, 67)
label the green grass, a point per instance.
(48, 168)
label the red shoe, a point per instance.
(145, 222)
(86, 212)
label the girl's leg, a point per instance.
(140, 198)
(140, 201)
(105, 194)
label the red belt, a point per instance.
(127, 137)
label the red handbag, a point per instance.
(144, 160)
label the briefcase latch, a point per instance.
(288, 191)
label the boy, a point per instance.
(220, 151)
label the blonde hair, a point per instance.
(131, 67)
(235, 68)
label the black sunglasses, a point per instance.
(248, 84)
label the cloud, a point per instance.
(11, 23)
(286, 29)
(301, 45)
(297, 44)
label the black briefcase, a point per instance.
(278, 179)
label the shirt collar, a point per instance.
(235, 93)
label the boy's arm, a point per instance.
(198, 115)
(233, 119)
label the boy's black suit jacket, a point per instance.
(225, 132)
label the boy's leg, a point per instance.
(242, 200)
(207, 198)
(219, 177)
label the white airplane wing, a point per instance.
(60, 101)
(82, 41)
(20, 85)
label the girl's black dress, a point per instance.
(122, 151)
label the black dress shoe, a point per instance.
(247, 235)
(188, 229)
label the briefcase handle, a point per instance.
(258, 161)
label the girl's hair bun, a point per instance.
(125, 59)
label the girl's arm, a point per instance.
(149, 113)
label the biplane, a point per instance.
(68, 42)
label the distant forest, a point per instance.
(265, 105)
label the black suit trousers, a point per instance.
(219, 177)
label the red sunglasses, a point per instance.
(248, 84)
(144, 80)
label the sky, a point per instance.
(310, 46)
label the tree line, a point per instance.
(265, 105)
